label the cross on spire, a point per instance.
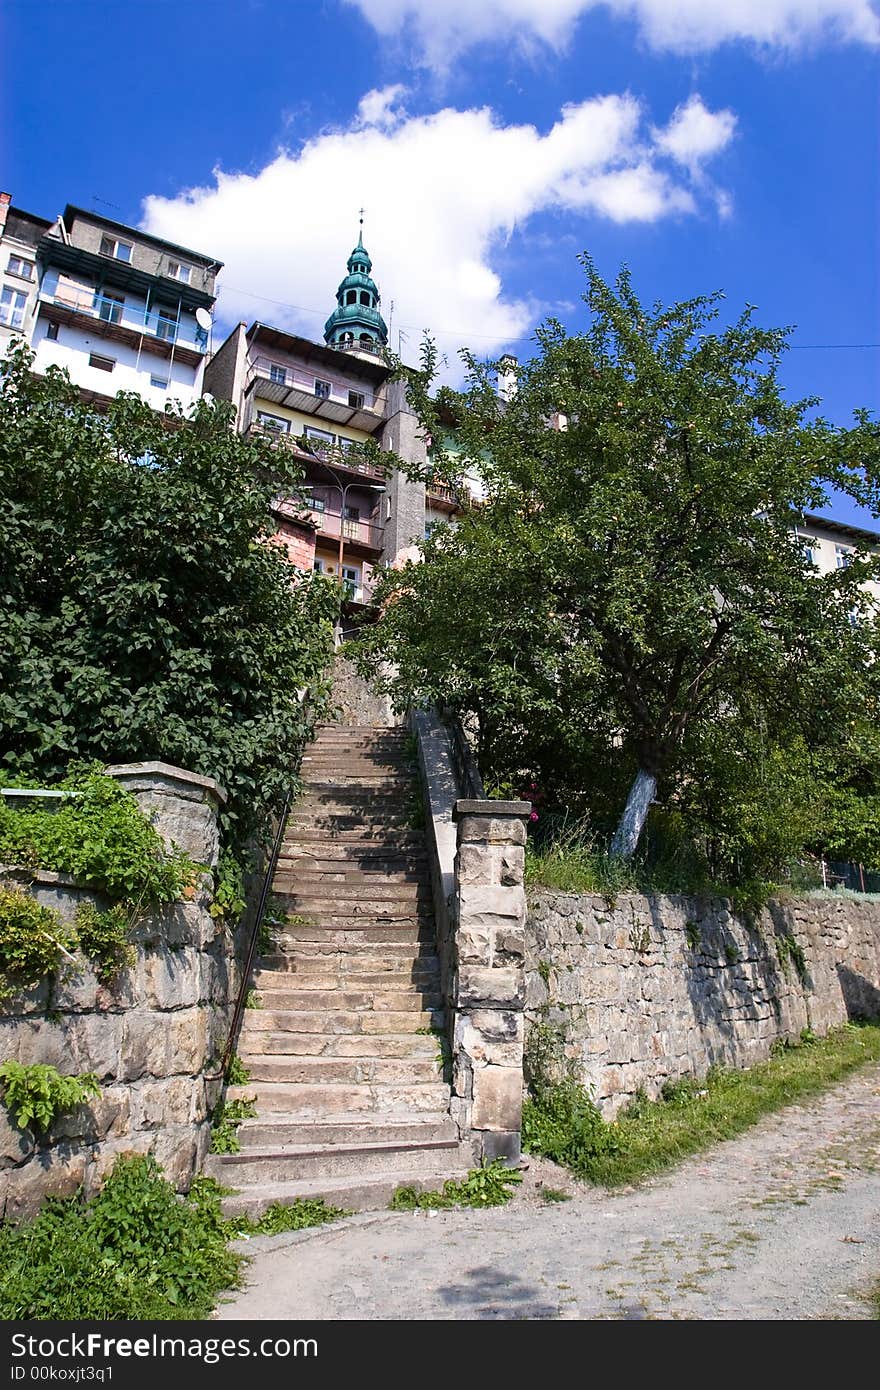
(361, 227)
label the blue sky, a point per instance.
(730, 145)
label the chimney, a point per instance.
(5, 200)
(507, 366)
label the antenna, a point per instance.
(96, 199)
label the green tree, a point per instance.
(632, 579)
(144, 610)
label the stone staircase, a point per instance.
(345, 1068)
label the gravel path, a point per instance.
(781, 1223)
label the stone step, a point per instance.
(253, 1167)
(357, 838)
(357, 980)
(365, 970)
(330, 856)
(366, 1071)
(278, 1132)
(315, 955)
(308, 1100)
(344, 934)
(366, 1194)
(344, 1001)
(326, 1043)
(360, 896)
(361, 1022)
(323, 906)
(352, 879)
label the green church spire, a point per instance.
(356, 321)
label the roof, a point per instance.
(343, 362)
(841, 528)
(17, 221)
(72, 211)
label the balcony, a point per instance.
(313, 392)
(363, 538)
(350, 459)
(447, 498)
(127, 323)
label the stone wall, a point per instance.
(655, 987)
(154, 1037)
(356, 702)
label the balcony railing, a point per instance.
(315, 382)
(442, 492)
(134, 317)
(369, 533)
(351, 457)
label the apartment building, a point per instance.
(335, 405)
(832, 545)
(20, 233)
(120, 309)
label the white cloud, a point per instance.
(440, 31)
(695, 134)
(441, 192)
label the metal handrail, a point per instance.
(235, 1026)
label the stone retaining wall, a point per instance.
(154, 1038)
(656, 987)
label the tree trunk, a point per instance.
(629, 831)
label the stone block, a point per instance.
(172, 979)
(104, 1156)
(26, 1001)
(510, 945)
(186, 1041)
(155, 1104)
(485, 1041)
(58, 1172)
(473, 943)
(175, 1149)
(77, 989)
(498, 1144)
(479, 987)
(144, 1047)
(107, 1114)
(15, 1144)
(491, 830)
(497, 1103)
(491, 905)
(40, 1041)
(95, 1042)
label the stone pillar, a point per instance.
(181, 805)
(488, 990)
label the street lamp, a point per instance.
(344, 490)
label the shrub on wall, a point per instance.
(33, 940)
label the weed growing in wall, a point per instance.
(35, 1094)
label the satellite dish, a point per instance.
(207, 398)
(203, 319)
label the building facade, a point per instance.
(335, 404)
(119, 309)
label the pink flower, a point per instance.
(533, 815)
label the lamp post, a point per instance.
(344, 490)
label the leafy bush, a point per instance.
(33, 940)
(224, 1127)
(286, 1216)
(35, 1094)
(229, 900)
(103, 938)
(147, 613)
(489, 1186)
(135, 1251)
(563, 1123)
(237, 1073)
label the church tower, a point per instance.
(356, 322)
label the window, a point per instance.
(430, 526)
(160, 383)
(52, 332)
(322, 389)
(12, 306)
(178, 271)
(110, 306)
(810, 550)
(365, 297)
(119, 250)
(318, 566)
(351, 297)
(346, 444)
(20, 267)
(278, 374)
(843, 556)
(273, 422)
(365, 338)
(351, 579)
(356, 400)
(166, 323)
(323, 435)
(104, 364)
(318, 504)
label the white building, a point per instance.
(120, 310)
(20, 232)
(832, 545)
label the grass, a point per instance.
(649, 1136)
(489, 1186)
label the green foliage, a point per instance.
(287, 1216)
(237, 1073)
(693, 935)
(100, 836)
(33, 940)
(146, 612)
(224, 1126)
(630, 596)
(229, 900)
(135, 1251)
(104, 938)
(252, 999)
(35, 1094)
(790, 952)
(488, 1186)
(648, 1136)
